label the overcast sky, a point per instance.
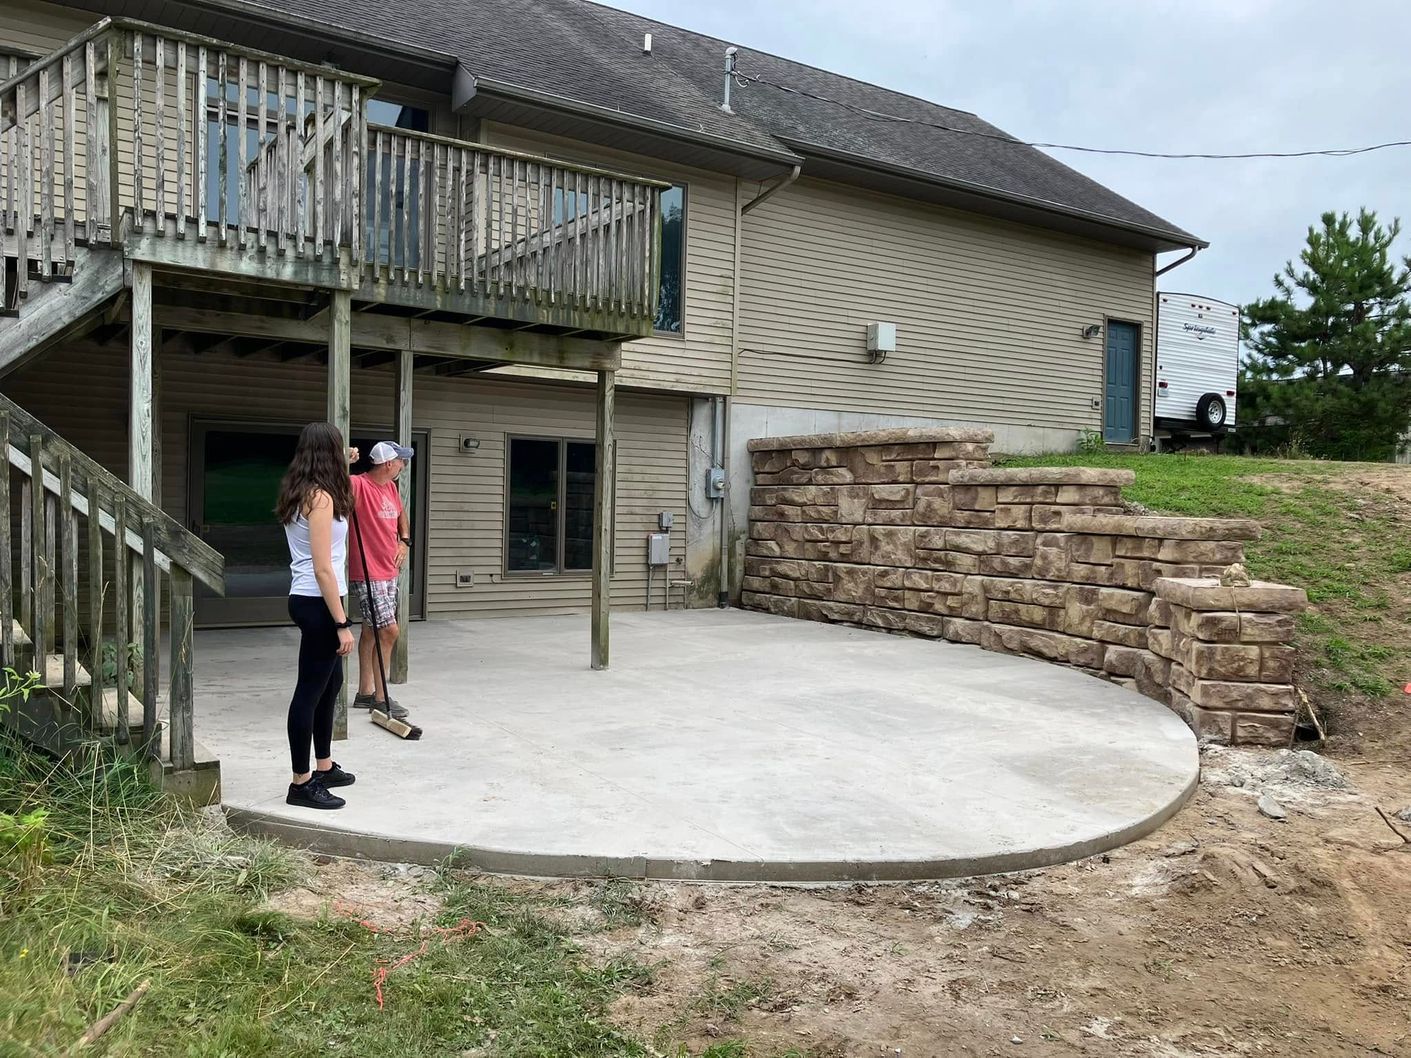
(1193, 75)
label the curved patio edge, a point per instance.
(335, 841)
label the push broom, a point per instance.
(383, 717)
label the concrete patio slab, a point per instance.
(721, 744)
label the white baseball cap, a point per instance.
(386, 451)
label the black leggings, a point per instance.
(320, 679)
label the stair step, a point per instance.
(54, 673)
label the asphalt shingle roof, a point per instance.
(592, 54)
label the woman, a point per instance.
(315, 499)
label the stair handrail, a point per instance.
(178, 544)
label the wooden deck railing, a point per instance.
(180, 136)
(512, 226)
(70, 507)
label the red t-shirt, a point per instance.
(378, 507)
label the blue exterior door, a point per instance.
(1119, 416)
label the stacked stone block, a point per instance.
(1224, 657)
(913, 531)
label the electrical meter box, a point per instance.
(658, 549)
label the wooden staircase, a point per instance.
(86, 563)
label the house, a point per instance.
(534, 241)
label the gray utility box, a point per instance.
(658, 549)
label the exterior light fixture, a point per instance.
(1092, 330)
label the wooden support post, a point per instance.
(603, 514)
(340, 366)
(151, 733)
(402, 417)
(141, 437)
(141, 458)
(180, 716)
(7, 603)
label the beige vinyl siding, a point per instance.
(698, 360)
(988, 313)
(81, 392)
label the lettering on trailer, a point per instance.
(1200, 330)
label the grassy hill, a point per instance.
(1340, 530)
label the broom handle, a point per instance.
(372, 614)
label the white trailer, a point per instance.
(1197, 368)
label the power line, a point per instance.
(746, 79)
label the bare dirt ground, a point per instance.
(1227, 933)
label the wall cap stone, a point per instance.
(1162, 528)
(1204, 593)
(917, 435)
(1042, 476)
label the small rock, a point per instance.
(1016, 1039)
(1271, 808)
(1405, 814)
(1181, 848)
(1235, 576)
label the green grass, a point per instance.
(127, 887)
(1340, 542)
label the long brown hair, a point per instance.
(320, 462)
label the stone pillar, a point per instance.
(1231, 658)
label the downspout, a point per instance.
(722, 403)
(769, 192)
(1176, 263)
(1155, 311)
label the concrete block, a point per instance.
(1121, 604)
(832, 476)
(914, 450)
(841, 613)
(1208, 725)
(974, 497)
(928, 625)
(1206, 552)
(816, 513)
(1223, 661)
(853, 584)
(1018, 613)
(891, 496)
(888, 517)
(1050, 563)
(1263, 729)
(1006, 566)
(868, 467)
(933, 471)
(1125, 635)
(1014, 516)
(959, 630)
(1136, 547)
(1027, 494)
(852, 503)
(933, 505)
(1266, 628)
(788, 476)
(892, 577)
(774, 604)
(1164, 528)
(879, 617)
(892, 545)
(952, 561)
(1092, 549)
(1015, 543)
(1211, 626)
(973, 519)
(1103, 495)
(970, 541)
(1122, 660)
(1243, 697)
(1275, 663)
(1259, 597)
(1158, 641)
(1159, 613)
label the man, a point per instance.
(386, 539)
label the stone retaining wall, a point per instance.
(914, 531)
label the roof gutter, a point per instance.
(985, 191)
(467, 85)
(769, 192)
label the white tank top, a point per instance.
(301, 560)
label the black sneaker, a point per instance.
(335, 776)
(311, 794)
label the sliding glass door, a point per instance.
(235, 472)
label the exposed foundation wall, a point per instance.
(82, 392)
(913, 531)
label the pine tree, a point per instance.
(1328, 362)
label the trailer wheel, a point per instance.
(1210, 411)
